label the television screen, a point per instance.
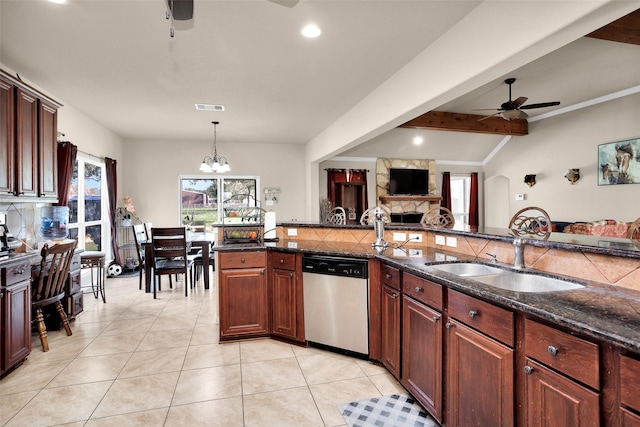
(413, 182)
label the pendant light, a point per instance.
(215, 163)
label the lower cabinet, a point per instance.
(480, 366)
(15, 315)
(422, 354)
(390, 341)
(73, 288)
(629, 378)
(244, 310)
(285, 291)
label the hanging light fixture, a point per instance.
(215, 163)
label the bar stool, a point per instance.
(95, 260)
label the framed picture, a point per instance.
(619, 162)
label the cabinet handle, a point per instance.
(21, 271)
(290, 274)
(387, 276)
(435, 319)
(552, 350)
(448, 325)
(528, 370)
(242, 260)
(394, 295)
(418, 289)
(281, 261)
(262, 271)
(473, 313)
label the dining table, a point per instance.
(203, 243)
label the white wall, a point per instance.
(571, 141)
(151, 170)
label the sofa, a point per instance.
(606, 227)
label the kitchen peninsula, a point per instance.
(581, 344)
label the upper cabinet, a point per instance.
(28, 142)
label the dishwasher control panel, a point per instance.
(335, 266)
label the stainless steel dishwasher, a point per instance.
(336, 303)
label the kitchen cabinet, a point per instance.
(480, 363)
(390, 310)
(244, 310)
(562, 378)
(73, 288)
(629, 377)
(285, 290)
(15, 314)
(28, 142)
(422, 342)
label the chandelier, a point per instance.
(214, 163)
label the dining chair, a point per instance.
(170, 255)
(49, 287)
(438, 216)
(140, 237)
(337, 216)
(198, 261)
(368, 217)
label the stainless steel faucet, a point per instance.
(518, 257)
(378, 227)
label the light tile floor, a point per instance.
(139, 361)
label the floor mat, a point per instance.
(388, 411)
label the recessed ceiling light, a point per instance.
(417, 140)
(58, 1)
(311, 31)
(209, 107)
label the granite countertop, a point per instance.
(607, 313)
(15, 257)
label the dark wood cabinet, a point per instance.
(352, 196)
(390, 304)
(553, 399)
(480, 368)
(15, 315)
(629, 380)
(285, 290)
(242, 281)
(73, 288)
(422, 354)
(28, 142)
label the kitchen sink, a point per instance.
(506, 279)
(467, 269)
(523, 282)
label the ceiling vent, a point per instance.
(209, 107)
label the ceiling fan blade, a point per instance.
(286, 3)
(540, 105)
(518, 102)
(486, 109)
(486, 117)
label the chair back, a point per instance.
(140, 236)
(337, 216)
(368, 217)
(54, 271)
(438, 216)
(169, 249)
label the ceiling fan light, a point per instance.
(511, 114)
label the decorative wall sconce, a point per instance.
(530, 180)
(572, 175)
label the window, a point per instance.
(205, 200)
(460, 195)
(88, 207)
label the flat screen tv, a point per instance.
(411, 182)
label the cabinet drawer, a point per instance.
(73, 284)
(629, 380)
(563, 352)
(242, 259)
(390, 276)
(282, 260)
(422, 290)
(483, 316)
(75, 304)
(16, 273)
(75, 263)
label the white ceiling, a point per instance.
(116, 62)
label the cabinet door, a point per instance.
(480, 388)
(16, 331)
(243, 308)
(285, 304)
(7, 174)
(26, 143)
(553, 399)
(48, 151)
(422, 354)
(391, 330)
(629, 419)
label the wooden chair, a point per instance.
(140, 236)
(198, 262)
(337, 216)
(49, 287)
(368, 216)
(170, 251)
(438, 217)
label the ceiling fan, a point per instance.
(512, 109)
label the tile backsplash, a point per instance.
(23, 221)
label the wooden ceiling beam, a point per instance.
(623, 30)
(455, 122)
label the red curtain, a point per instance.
(112, 190)
(473, 200)
(67, 153)
(446, 190)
